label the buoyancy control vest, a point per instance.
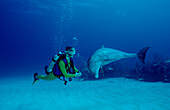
(70, 69)
(56, 68)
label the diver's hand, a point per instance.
(55, 58)
(78, 74)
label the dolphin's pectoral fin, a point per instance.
(142, 53)
(102, 70)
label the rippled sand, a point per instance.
(107, 94)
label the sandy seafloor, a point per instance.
(17, 93)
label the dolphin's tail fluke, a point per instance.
(142, 53)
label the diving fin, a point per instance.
(35, 79)
(142, 54)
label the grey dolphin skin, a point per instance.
(104, 56)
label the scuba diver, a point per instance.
(61, 66)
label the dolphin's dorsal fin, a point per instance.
(103, 46)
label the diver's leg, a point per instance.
(47, 78)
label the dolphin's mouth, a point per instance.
(90, 70)
(88, 64)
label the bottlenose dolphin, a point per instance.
(104, 56)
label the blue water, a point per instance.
(32, 31)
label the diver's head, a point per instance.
(70, 51)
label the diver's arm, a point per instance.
(63, 70)
(51, 65)
(76, 70)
